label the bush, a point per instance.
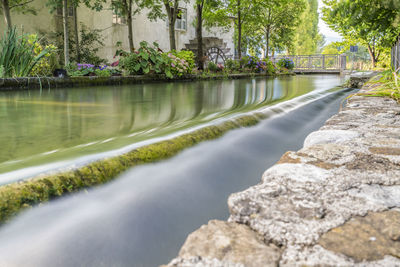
(46, 64)
(146, 60)
(90, 42)
(18, 57)
(286, 63)
(188, 56)
(211, 66)
(269, 66)
(77, 70)
(178, 66)
(232, 65)
(2, 71)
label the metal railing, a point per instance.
(316, 62)
(395, 55)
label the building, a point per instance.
(114, 28)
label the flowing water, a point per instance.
(144, 216)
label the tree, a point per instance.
(54, 4)
(207, 12)
(128, 9)
(307, 39)
(372, 23)
(170, 13)
(21, 6)
(277, 21)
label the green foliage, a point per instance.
(232, 65)
(177, 66)
(388, 85)
(46, 64)
(212, 67)
(306, 37)
(188, 56)
(103, 73)
(17, 54)
(90, 42)
(371, 23)
(146, 60)
(272, 24)
(2, 75)
(286, 63)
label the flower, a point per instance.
(173, 65)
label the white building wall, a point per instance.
(143, 28)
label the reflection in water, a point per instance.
(39, 127)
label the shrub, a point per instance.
(232, 65)
(46, 64)
(145, 60)
(286, 63)
(211, 66)
(269, 66)
(2, 71)
(90, 42)
(77, 69)
(188, 56)
(17, 55)
(178, 66)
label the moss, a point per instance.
(22, 195)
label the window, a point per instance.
(181, 19)
(70, 11)
(116, 19)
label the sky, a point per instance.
(330, 35)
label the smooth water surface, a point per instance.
(41, 128)
(143, 217)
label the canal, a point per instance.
(143, 217)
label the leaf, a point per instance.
(146, 70)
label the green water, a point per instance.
(44, 126)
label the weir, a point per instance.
(144, 216)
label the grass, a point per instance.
(388, 85)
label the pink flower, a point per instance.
(114, 64)
(173, 65)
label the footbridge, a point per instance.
(316, 63)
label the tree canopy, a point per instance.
(372, 23)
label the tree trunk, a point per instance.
(130, 28)
(199, 35)
(372, 55)
(172, 43)
(267, 38)
(76, 36)
(65, 25)
(171, 12)
(6, 11)
(239, 24)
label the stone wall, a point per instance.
(335, 202)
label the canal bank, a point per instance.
(26, 83)
(334, 202)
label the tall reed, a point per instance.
(17, 56)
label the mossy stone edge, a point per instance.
(13, 84)
(22, 195)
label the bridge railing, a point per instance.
(316, 62)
